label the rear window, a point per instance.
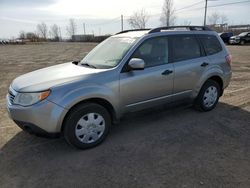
(211, 44)
(185, 47)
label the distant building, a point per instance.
(89, 38)
(239, 27)
(82, 38)
(235, 29)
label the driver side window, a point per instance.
(153, 51)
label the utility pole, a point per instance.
(60, 38)
(205, 16)
(99, 31)
(84, 29)
(121, 22)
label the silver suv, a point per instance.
(132, 70)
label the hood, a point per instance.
(46, 78)
(235, 37)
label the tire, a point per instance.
(87, 125)
(208, 96)
(242, 42)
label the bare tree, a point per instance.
(187, 22)
(139, 19)
(71, 28)
(214, 18)
(54, 31)
(22, 35)
(217, 18)
(223, 19)
(168, 13)
(32, 36)
(42, 30)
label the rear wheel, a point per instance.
(87, 125)
(208, 96)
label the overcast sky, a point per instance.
(103, 16)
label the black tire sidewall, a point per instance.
(199, 100)
(73, 118)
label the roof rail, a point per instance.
(191, 28)
(125, 31)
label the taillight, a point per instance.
(229, 59)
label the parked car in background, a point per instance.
(225, 36)
(4, 41)
(130, 71)
(240, 39)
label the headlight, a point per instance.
(27, 99)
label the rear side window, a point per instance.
(185, 47)
(210, 44)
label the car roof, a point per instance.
(132, 34)
(136, 33)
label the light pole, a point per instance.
(84, 30)
(121, 22)
(205, 16)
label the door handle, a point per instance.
(204, 64)
(167, 72)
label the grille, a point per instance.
(11, 96)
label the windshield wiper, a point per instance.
(112, 60)
(89, 65)
(75, 62)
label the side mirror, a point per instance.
(136, 64)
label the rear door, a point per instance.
(189, 62)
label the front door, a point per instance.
(154, 84)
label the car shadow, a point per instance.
(171, 145)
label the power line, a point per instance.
(180, 10)
(183, 9)
(189, 6)
(229, 3)
(218, 5)
(186, 7)
(113, 20)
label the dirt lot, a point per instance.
(162, 147)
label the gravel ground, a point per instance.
(160, 147)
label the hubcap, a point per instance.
(90, 128)
(210, 96)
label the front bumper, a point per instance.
(234, 41)
(44, 117)
(33, 129)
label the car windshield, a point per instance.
(243, 34)
(108, 53)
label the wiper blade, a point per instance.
(88, 65)
(75, 62)
(112, 60)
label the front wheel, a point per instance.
(87, 125)
(208, 96)
(242, 42)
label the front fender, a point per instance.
(72, 96)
